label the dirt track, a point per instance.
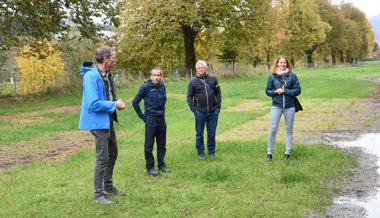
(55, 147)
(365, 179)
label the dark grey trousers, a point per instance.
(106, 155)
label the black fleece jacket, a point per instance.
(203, 94)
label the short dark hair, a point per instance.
(103, 53)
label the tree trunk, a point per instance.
(255, 61)
(341, 57)
(333, 56)
(189, 36)
(349, 57)
(309, 59)
(309, 55)
(292, 61)
(267, 60)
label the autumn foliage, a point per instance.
(40, 67)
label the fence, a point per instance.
(10, 87)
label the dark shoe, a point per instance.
(153, 172)
(115, 192)
(201, 156)
(105, 199)
(164, 169)
(287, 156)
(269, 157)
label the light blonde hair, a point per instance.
(201, 62)
(274, 67)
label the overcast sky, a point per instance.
(369, 7)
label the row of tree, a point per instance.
(175, 33)
(160, 32)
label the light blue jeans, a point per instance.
(275, 117)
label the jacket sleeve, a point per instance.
(136, 102)
(218, 94)
(270, 88)
(295, 89)
(92, 88)
(190, 95)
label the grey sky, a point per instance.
(369, 7)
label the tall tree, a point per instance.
(156, 19)
(269, 34)
(334, 40)
(24, 21)
(360, 32)
(304, 28)
(229, 55)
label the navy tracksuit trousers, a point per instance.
(155, 128)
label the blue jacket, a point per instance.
(154, 100)
(292, 88)
(96, 109)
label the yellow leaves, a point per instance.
(41, 67)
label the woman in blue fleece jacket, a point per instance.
(283, 85)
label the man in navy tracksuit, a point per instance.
(154, 94)
(204, 99)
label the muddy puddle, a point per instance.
(370, 144)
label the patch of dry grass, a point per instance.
(246, 105)
(55, 147)
(335, 114)
(35, 117)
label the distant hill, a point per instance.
(375, 22)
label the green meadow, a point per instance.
(239, 182)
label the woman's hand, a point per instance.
(279, 91)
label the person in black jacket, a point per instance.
(282, 86)
(154, 94)
(204, 99)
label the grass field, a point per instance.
(237, 183)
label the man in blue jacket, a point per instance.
(154, 94)
(204, 99)
(99, 104)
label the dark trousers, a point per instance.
(209, 119)
(155, 128)
(106, 155)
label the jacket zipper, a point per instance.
(283, 96)
(206, 95)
